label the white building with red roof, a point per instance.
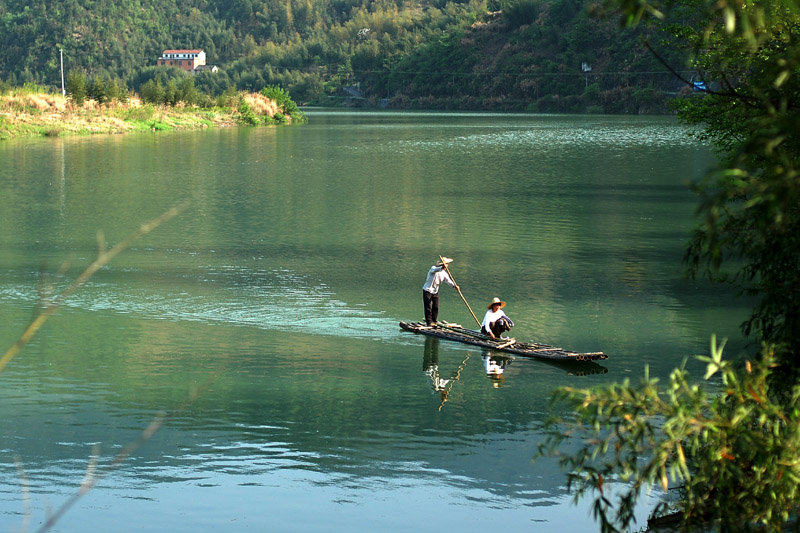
(184, 59)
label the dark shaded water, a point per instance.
(277, 295)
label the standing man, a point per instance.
(430, 291)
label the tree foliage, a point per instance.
(747, 56)
(76, 87)
(281, 97)
(102, 89)
(734, 456)
(750, 231)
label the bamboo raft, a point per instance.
(455, 332)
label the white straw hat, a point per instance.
(496, 300)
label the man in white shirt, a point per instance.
(495, 321)
(430, 291)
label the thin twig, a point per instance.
(104, 256)
(93, 477)
(50, 305)
(733, 93)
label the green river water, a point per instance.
(276, 296)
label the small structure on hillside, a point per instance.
(189, 60)
(210, 68)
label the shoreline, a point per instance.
(29, 114)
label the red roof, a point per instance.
(181, 51)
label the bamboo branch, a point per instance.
(104, 256)
(93, 476)
(732, 93)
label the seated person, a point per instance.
(495, 322)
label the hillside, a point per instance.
(546, 60)
(475, 54)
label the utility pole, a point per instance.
(63, 91)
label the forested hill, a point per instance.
(539, 55)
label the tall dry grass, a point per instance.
(17, 101)
(31, 111)
(261, 105)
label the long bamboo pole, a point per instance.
(459, 290)
(449, 387)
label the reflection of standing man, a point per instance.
(430, 291)
(430, 364)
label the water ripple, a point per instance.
(265, 299)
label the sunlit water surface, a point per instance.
(264, 319)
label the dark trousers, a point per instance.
(430, 302)
(499, 326)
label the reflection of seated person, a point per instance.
(493, 365)
(494, 368)
(495, 321)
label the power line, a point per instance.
(490, 73)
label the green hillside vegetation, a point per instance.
(473, 54)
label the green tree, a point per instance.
(188, 93)
(152, 92)
(750, 207)
(735, 453)
(281, 97)
(98, 90)
(246, 114)
(76, 87)
(114, 89)
(171, 93)
(518, 13)
(120, 91)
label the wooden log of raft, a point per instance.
(454, 332)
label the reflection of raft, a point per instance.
(454, 332)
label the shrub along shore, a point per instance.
(36, 113)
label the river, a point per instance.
(263, 320)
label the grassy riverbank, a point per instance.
(34, 114)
